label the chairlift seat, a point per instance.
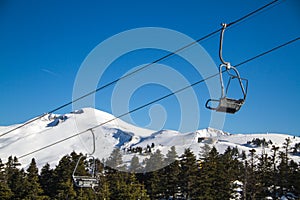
(230, 105)
(226, 105)
(85, 181)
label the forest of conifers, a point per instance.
(229, 175)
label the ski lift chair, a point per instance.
(225, 104)
(90, 181)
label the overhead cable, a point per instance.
(142, 68)
(161, 98)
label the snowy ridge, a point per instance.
(116, 134)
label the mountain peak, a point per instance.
(61, 134)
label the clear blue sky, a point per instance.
(43, 43)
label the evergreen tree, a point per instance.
(125, 186)
(294, 178)
(137, 189)
(103, 191)
(115, 160)
(155, 162)
(170, 174)
(213, 178)
(2, 172)
(32, 186)
(15, 178)
(171, 156)
(188, 174)
(230, 170)
(47, 181)
(264, 175)
(283, 172)
(132, 189)
(135, 166)
(243, 155)
(153, 169)
(283, 167)
(63, 178)
(216, 175)
(251, 184)
(274, 149)
(116, 182)
(5, 191)
(204, 150)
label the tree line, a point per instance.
(213, 175)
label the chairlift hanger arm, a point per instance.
(94, 142)
(227, 64)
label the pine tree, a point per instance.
(251, 184)
(15, 178)
(283, 168)
(275, 180)
(204, 150)
(2, 172)
(171, 156)
(283, 172)
(155, 162)
(135, 166)
(47, 181)
(264, 175)
(5, 191)
(229, 171)
(170, 174)
(63, 180)
(294, 178)
(115, 160)
(188, 174)
(103, 191)
(116, 183)
(136, 189)
(125, 186)
(131, 189)
(153, 169)
(31, 183)
(216, 175)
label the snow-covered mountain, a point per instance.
(53, 136)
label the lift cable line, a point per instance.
(161, 98)
(143, 67)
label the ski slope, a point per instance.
(54, 128)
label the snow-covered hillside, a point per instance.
(62, 131)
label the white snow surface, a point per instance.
(51, 129)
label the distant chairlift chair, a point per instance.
(90, 181)
(225, 104)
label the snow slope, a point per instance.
(53, 129)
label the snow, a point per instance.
(114, 134)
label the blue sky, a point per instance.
(43, 44)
